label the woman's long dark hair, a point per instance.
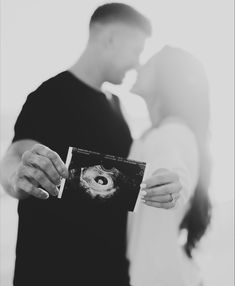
(183, 91)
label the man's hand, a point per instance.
(162, 190)
(39, 172)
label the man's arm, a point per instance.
(29, 168)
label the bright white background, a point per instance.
(42, 38)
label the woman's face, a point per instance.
(145, 81)
(146, 86)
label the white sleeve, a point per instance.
(152, 247)
(173, 146)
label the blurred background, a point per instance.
(43, 38)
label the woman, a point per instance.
(161, 240)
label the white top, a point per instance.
(156, 257)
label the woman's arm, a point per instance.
(173, 147)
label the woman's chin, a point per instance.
(135, 90)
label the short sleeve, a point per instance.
(36, 117)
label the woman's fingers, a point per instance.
(161, 205)
(160, 177)
(161, 186)
(163, 198)
(161, 190)
(172, 188)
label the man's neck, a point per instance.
(88, 69)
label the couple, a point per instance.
(71, 110)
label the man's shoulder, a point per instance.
(51, 87)
(57, 81)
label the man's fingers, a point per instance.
(30, 189)
(53, 156)
(38, 176)
(42, 163)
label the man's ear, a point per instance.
(109, 40)
(101, 34)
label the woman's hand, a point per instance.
(161, 190)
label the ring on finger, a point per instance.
(172, 198)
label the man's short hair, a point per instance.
(122, 13)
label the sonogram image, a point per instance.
(102, 179)
(98, 181)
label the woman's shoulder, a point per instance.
(171, 137)
(173, 143)
(170, 131)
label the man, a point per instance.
(60, 242)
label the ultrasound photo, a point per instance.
(102, 179)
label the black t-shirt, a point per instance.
(60, 242)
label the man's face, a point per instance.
(125, 48)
